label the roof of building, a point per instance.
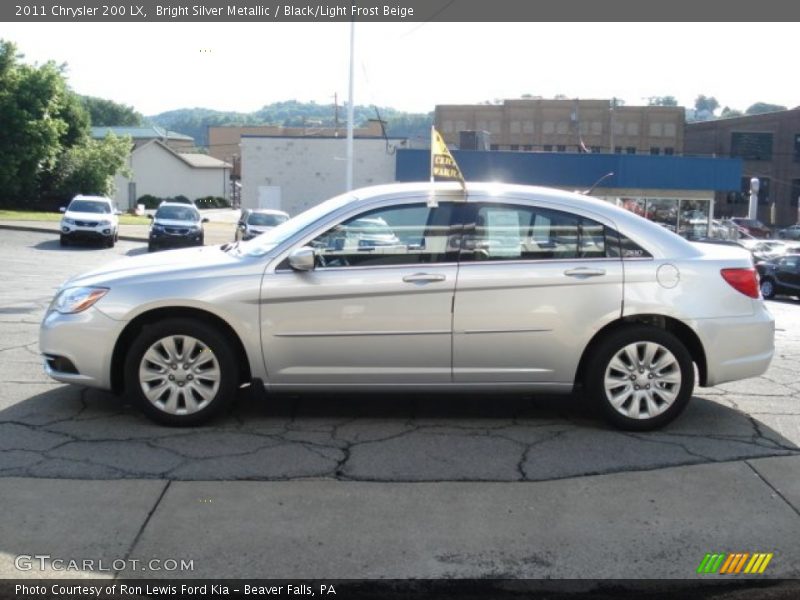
(194, 160)
(150, 132)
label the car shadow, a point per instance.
(69, 431)
(73, 246)
(137, 251)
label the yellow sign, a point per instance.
(443, 165)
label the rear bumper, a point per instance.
(737, 347)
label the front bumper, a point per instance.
(737, 347)
(73, 232)
(77, 348)
(169, 240)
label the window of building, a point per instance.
(515, 147)
(595, 149)
(494, 147)
(763, 191)
(669, 151)
(751, 145)
(527, 148)
(655, 150)
(617, 149)
(793, 200)
(527, 127)
(670, 130)
(656, 129)
(630, 150)
(547, 147)
(561, 148)
(797, 147)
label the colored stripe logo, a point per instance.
(735, 563)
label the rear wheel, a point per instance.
(641, 377)
(180, 372)
(767, 288)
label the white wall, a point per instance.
(158, 172)
(310, 170)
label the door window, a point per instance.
(509, 232)
(398, 235)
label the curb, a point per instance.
(127, 238)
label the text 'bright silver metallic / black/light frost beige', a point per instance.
(421, 287)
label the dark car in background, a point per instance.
(752, 227)
(176, 225)
(780, 276)
(255, 221)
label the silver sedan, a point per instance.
(504, 288)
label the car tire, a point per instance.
(110, 242)
(767, 287)
(619, 381)
(181, 372)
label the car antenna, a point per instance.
(596, 183)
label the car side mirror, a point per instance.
(62, 209)
(302, 259)
(204, 220)
(151, 217)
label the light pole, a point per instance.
(752, 213)
(350, 110)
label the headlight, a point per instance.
(76, 299)
(157, 227)
(68, 221)
(103, 223)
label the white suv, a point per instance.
(90, 218)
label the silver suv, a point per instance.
(92, 218)
(506, 288)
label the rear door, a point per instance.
(534, 285)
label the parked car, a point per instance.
(625, 317)
(255, 221)
(752, 227)
(175, 225)
(789, 233)
(91, 218)
(780, 276)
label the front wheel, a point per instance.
(642, 377)
(180, 372)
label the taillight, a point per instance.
(742, 280)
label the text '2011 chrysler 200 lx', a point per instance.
(502, 288)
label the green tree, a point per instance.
(706, 103)
(89, 168)
(729, 113)
(34, 101)
(759, 108)
(106, 113)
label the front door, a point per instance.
(375, 310)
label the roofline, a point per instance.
(320, 137)
(224, 165)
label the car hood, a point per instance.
(174, 223)
(84, 216)
(169, 263)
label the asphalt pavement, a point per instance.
(377, 486)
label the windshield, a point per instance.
(266, 220)
(177, 213)
(265, 242)
(90, 206)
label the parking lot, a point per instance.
(389, 486)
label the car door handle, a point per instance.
(584, 272)
(424, 277)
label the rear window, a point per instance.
(177, 213)
(266, 220)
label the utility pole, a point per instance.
(336, 114)
(350, 110)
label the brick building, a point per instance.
(769, 146)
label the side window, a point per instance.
(618, 245)
(398, 235)
(510, 232)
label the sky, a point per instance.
(156, 67)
